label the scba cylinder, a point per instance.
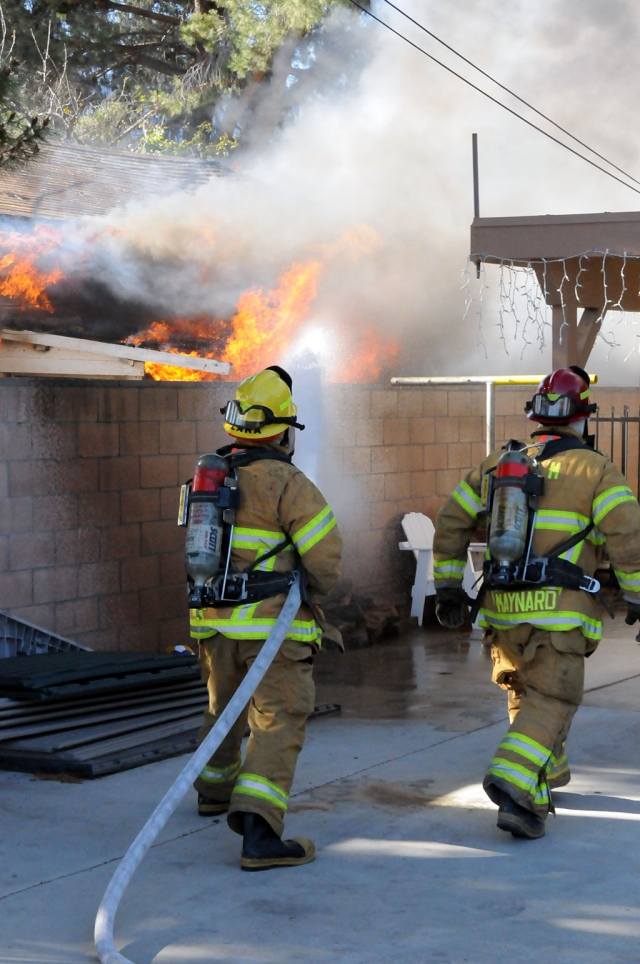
(205, 524)
(510, 512)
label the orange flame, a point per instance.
(21, 280)
(369, 358)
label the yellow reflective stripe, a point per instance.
(608, 500)
(256, 538)
(628, 580)
(243, 625)
(466, 497)
(555, 622)
(315, 530)
(257, 786)
(221, 774)
(519, 777)
(559, 521)
(526, 747)
(449, 569)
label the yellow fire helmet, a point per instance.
(262, 407)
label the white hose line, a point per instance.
(103, 932)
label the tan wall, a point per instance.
(89, 477)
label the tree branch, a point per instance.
(138, 11)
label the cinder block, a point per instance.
(99, 508)
(396, 431)
(177, 438)
(55, 512)
(15, 440)
(423, 483)
(505, 401)
(397, 486)
(383, 514)
(160, 537)
(140, 505)
(354, 516)
(119, 473)
(121, 404)
(55, 584)
(186, 466)
(517, 426)
(139, 438)
(447, 429)
(434, 401)
(16, 515)
(196, 404)
(459, 455)
(422, 431)
(172, 569)
(141, 573)
(4, 480)
(384, 459)
(157, 471)
(120, 542)
(471, 428)
(169, 501)
(99, 639)
(16, 589)
(30, 549)
(209, 437)
(32, 478)
(356, 461)
(410, 458)
(432, 505)
(4, 553)
(370, 488)
(77, 546)
(99, 578)
(175, 632)
(368, 431)
(30, 403)
(120, 610)
(54, 440)
(410, 402)
(142, 638)
(384, 404)
(167, 602)
(76, 475)
(478, 452)
(158, 403)
(42, 616)
(98, 439)
(446, 481)
(75, 404)
(76, 616)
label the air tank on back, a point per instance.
(204, 533)
(510, 512)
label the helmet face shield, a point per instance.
(252, 419)
(554, 406)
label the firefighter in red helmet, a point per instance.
(551, 505)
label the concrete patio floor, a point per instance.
(411, 867)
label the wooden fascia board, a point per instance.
(127, 352)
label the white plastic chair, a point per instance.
(419, 530)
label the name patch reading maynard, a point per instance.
(533, 600)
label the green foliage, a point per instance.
(20, 132)
(152, 75)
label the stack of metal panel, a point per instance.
(21, 638)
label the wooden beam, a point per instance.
(564, 346)
(21, 358)
(590, 324)
(126, 352)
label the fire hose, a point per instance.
(103, 932)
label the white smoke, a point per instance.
(393, 151)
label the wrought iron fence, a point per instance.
(622, 446)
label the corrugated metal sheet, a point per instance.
(67, 181)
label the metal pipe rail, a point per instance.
(489, 380)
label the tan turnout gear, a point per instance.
(540, 636)
(279, 505)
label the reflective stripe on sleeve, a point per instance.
(315, 530)
(221, 774)
(560, 521)
(257, 539)
(256, 786)
(466, 497)
(629, 581)
(608, 500)
(449, 569)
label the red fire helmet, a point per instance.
(562, 397)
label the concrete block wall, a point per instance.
(89, 477)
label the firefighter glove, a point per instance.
(451, 607)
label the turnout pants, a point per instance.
(277, 715)
(543, 673)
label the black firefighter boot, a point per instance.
(516, 819)
(262, 848)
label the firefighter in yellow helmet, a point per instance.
(539, 603)
(284, 521)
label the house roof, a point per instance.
(69, 180)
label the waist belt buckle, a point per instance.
(589, 584)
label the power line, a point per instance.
(494, 99)
(509, 91)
